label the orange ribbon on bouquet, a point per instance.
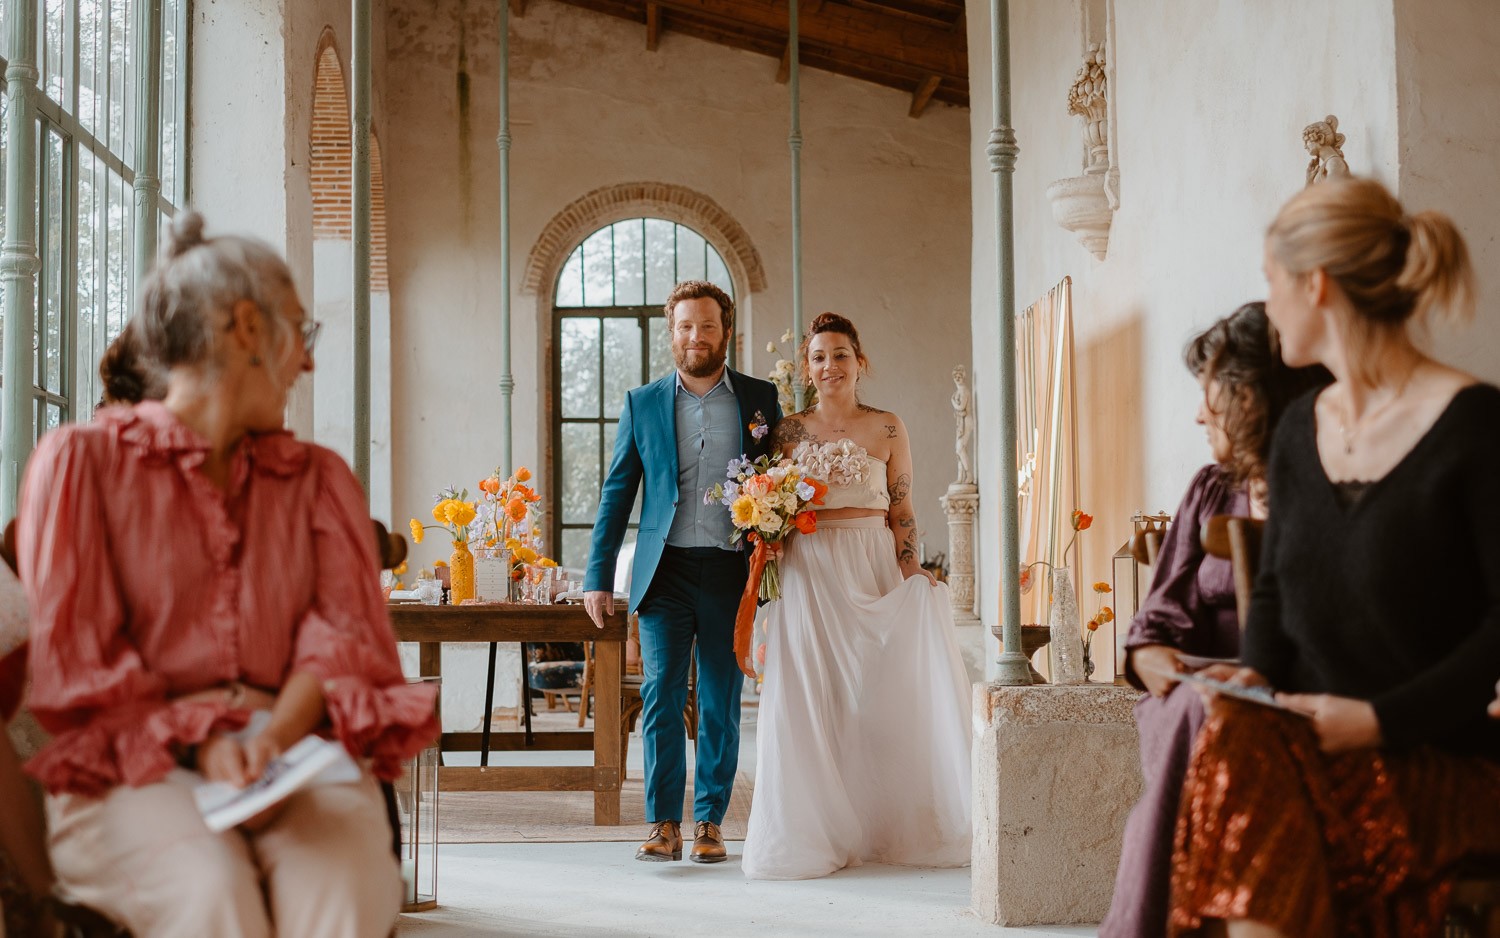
(744, 619)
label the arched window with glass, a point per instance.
(609, 335)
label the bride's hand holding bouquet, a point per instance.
(767, 501)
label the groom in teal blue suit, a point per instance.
(677, 436)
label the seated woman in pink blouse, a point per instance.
(188, 562)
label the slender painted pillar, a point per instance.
(360, 66)
(1002, 151)
(507, 380)
(18, 257)
(794, 140)
(148, 39)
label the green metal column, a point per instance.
(1002, 151)
(502, 140)
(360, 66)
(148, 39)
(795, 142)
(18, 257)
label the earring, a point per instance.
(255, 361)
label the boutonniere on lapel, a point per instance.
(759, 427)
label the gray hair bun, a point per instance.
(186, 233)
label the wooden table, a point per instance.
(432, 626)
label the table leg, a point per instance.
(430, 664)
(489, 709)
(526, 697)
(608, 663)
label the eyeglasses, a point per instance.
(310, 330)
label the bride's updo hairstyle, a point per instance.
(187, 298)
(1395, 268)
(831, 322)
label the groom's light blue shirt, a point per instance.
(708, 437)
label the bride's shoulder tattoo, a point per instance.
(790, 431)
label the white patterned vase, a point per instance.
(1065, 652)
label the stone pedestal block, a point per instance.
(1056, 770)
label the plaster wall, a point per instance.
(1210, 102)
(253, 68)
(1448, 85)
(884, 196)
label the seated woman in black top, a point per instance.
(1377, 609)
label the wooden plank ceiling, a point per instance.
(917, 46)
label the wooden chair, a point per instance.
(1237, 540)
(1474, 905)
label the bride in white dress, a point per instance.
(862, 750)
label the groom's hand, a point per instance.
(599, 603)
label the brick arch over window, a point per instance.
(610, 204)
(331, 166)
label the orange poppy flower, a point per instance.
(807, 522)
(523, 474)
(1081, 521)
(515, 509)
(819, 490)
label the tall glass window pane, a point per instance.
(692, 261)
(661, 260)
(570, 282)
(580, 365)
(53, 231)
(622, 361)
(630, 263)
(598, 269)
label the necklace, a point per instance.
(1364, 420)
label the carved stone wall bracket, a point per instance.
(1085, 205)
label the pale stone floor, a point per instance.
(595, 890)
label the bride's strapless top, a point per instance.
(871, 493)
(855, 478)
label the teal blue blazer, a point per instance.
(646, 455)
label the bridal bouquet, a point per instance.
(767, 501)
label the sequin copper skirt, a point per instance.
(1357, 844)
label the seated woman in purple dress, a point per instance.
(1191, 608)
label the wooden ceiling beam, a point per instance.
(784, 70)
(928, 49)
(923, 94)
(518, 8)
(653, 26)
(931, 16)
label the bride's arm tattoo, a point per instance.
(900, 489)
(908, 551)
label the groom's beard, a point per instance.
(700, 364)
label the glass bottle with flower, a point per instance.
(1066, 654)
(454, 513)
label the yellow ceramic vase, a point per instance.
(460, 574)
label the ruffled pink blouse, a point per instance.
(148, 583)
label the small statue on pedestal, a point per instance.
(1324, 142)
(963, 415)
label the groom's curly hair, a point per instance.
(697, 290)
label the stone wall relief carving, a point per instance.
(1324, 144)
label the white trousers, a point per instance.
(142, 856)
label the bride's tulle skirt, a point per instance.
(862, 749)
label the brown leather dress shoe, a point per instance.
(708, 844)
(665, 843)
